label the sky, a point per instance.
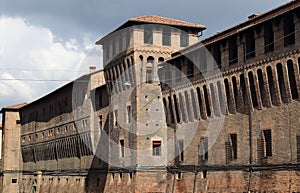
(45, 44)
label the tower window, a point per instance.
(269, 37)
(184, 39)
(203, 149)
(156, 147)
(231, 147)
(148, 35)
(166, 37)
(129, 114)
(267, 140)
(289, 30)
(250, 44)
(122, 145)
(181, 150)
(233, 53)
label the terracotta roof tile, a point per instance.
(17, 106)
(164, 20)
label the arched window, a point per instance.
(200, 103)
(176, 108)
(213, 98)
(166, 110)
(187, 104)
(235, 91)
(243, 89)
(181, 101)
(221, 98)
(208, 110)
(292, 79)
(149, 69)
(263, 93)
(252, 90)
(228, 98)
(161, 60)
(281, 81)
(194, 104)
(171, 109)
(271, 84)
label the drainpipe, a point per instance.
(250, 124)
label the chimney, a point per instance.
(92, 69)
(253, 16)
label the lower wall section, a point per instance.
(161, 182)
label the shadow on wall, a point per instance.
(97, 174)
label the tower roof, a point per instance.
(154, 19)
(13, 107)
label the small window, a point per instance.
(166, 37)
(122, 152)
(184, 39)
(100, 121)
(231, 147)
(149, 70)
(267, 138)
(181, 150)
(156, 146)
(14, 181)
(203, 149)
(116, 117)
(129, 114)
(148, 35)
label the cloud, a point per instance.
(29, 53)
(72, 18)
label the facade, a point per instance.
(169, 114)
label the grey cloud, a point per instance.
(74, 18)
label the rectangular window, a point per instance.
(298, 148)
(156, 147)
(148, 35)
(190, 69)
(122, 150)
(268, 37)
(267, 139)
(203, 149)
(231, 147)
(217, 54)
(181, 150)
(233, 52)
(100, 121)
(149, 75)
(14, 181)
(166, 37)
(116, 117)
(250, 44)
(184, 39)
(289, 30)
(129, 114)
